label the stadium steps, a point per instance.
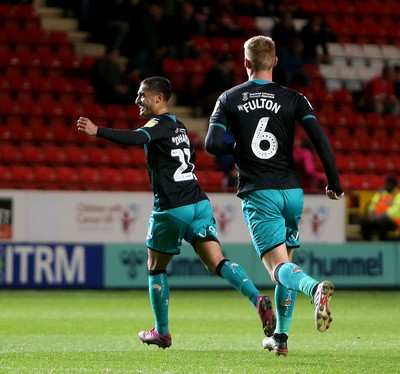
(52, 18)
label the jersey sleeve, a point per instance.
(215, 142)
(307, 119)
(219, 116)
(126, 137)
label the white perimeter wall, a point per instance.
(121, 217)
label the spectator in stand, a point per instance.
(379, 94)
(185, 25)
(111, 82)
(383, 211)
(284, 31)
(291, 69)
(107, 23)
(219, 78)
(316, 33)
(255, 8)
(311, 178)
(150, 38)
(223, 19)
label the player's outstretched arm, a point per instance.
(87, 126)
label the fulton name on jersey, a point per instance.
(258, 100)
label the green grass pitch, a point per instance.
(213, 332)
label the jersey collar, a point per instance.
(260, 81)
(170, 116)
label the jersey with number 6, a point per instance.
(261, 116)
(170, 159)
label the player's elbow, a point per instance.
(211, 146)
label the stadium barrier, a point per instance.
(53, 239)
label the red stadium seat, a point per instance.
(60, 42)
(63, 133)
(67, 177)
(84, 90)
(210, 181)
(55, 155)
(138, 157)
(205, 161)
(195, 71)
(344, 163)
(120, 157)
(174, 70)
(98, 156)
(374, 119)
(23, 176)
(116, 111)
(45, 177)
(135, 179)
(10, 154)
(32, 154)
(41, 132)
(112, 178)
(76, 156)
(89, 178)
(6, 180)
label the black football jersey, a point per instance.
(170, 160)
(261, 116)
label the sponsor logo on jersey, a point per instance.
(258, 100)
(151, 123)
(255, 95)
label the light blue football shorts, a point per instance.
(272, 217)
(167, 229)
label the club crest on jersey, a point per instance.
(245, 96)
(151, 123)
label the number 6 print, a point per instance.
(261, 135)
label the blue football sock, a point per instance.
(292, 276)
(238, 278)
(285, 298)
(159, 298)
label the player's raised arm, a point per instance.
(87, 126)
(121, 136)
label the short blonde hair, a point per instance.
(260, 51)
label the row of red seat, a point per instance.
(19, 16)
(45, 64)
(36, 40)
(382, 9)
(70, 110)
(73, 178)
(92, 154)
(90, 178)
(362, 22)
(362, 181)
(350, 144)
(62, 89)
(354, 119)
(365, 163)
(126, 179)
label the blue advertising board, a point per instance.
(48, 265)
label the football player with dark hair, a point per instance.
(181, 211)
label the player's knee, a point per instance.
(274, 273)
